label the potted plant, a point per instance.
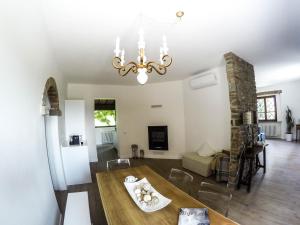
(290, 123)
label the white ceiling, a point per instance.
(82, 34)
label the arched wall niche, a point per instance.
(50, 96)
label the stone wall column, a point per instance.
(242, 95)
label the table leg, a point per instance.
(264, 155)
(241, 172)
(250, 175)
(257, 162)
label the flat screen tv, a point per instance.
(158, 138)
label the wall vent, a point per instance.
(156, 106)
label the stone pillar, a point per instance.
(242, 95)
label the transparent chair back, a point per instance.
(215, 197)
(181, 179)
(117, 164)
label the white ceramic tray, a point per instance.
(163, 201)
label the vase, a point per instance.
(142, 154)
(288, 137)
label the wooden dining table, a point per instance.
(120, 209)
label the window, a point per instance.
(266, 108)
(105, 113)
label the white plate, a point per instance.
(163, 201)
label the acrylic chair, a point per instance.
(117, 164)
(181, 179)
(215, 196)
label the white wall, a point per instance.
(134, 114)
(75, 119)
(289, 97)
(54, 153)
(207, 113)
(26, 191)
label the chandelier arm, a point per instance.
(116, 62)
(167, 60)
(160, 69)
(124, 70)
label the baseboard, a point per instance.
(159, 156)
(155, 156)
(282, 139)
(94, 160)
(273, 138)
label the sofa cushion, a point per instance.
(201, 165)
(206, 150)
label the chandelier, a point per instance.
(142, 66)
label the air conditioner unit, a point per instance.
(204, 80)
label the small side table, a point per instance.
(251, 155)
(297, 130)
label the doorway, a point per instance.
(105, 119)
(51, 112)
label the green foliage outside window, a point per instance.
(105, 117)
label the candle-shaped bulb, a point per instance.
(164, 38)
(161, 54)
(165, 46)
(117, 49)
(141, 42)
(122, 57)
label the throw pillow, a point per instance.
(206, 150)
